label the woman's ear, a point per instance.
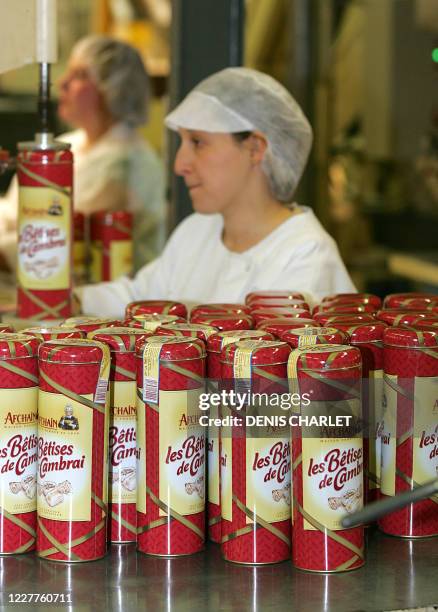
(257, 145)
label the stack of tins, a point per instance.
(215, 344)
(329, 318)
(410, 301)
(273, 295)
(122, 526)
(409, 428)
(277, 327)
(309, 336)
(45, 178)
(220, 309)
(150, 322)
(53, 333)
(88, 324)
(402, 317)
(156, 307)
(110, 245)
(19, 442)
(368, 338)
(224, 322)
(171, 446)
(73, 419)
(265, 314)
(255, 471)
(327, 461)
(79, 250)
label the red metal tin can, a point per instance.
(215, 344)
(264, 314)
(368, 338)
(224, 322)
(187, 330)
(122, 526)
(171, 446)
(213, 309)
(18, 442)
(410, 426)
(278, 326)
(53, 333)
(45, 233)
(400, 317)
(309, 336)
(410, 301)
(327, 461)
(329, 318)
(80, 263)
(354, 298)
(6, 329)
(425, 324)
(110, 245)
(338, 308)
(89, 324)
(72, 450)
(273, 295)
(255, 471)
(151, 322)
(156, 307)
(280, 303)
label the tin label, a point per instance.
(425, 460)
(226, 478)
(388, 436)
(120, 258)
(232, 336)
(44, 238)
(65, 454)
(375, 382)
(122, 443)
(18, 449)
(96, 263)
(182, 452)
(268, 483)
(141, 456)
(213, 458)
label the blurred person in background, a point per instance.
(104, 94)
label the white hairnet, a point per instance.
(241, 99)
(119, 73)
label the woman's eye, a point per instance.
(196, 142)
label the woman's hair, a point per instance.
(120, 75)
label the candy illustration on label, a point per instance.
(196, 487)
(350, 501)
(53, 493)
(26, 485)
(282, 494)
(126, 477)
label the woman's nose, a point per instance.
(182, 164)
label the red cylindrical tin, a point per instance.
(410, 427)
(6, 328)
(273, 295)
(353, 298)
(328, 318)
(122, 525)
(327, 460)
(72, 450)
(278, 326)
(187, 330)
(410, 301)
(156, 307)
(368, 338)
(255, 471)
(338, 307)
(110, 245)
(425, 324)
(400, 317)
(224, 322)
(80, 272)
(170, 445)
(53, 333)
(89, 324)
(150, 322)
(213, 309)
(45, 233)
(215, 344)
(264, 314)
(280, 303)
(18, 442)
(309, 336)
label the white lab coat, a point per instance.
(196, 267)
(120, 158)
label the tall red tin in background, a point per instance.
(410, 427)
(327, 460)
(18, 441)
(45, 231)
(80, 250)
(170, 445)
(110, 245)
(72, 450)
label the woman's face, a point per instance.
(215, 168)
(79, 96)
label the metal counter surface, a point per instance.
(398, 574)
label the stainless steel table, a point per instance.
(398, 574)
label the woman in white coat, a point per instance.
(244, 146)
